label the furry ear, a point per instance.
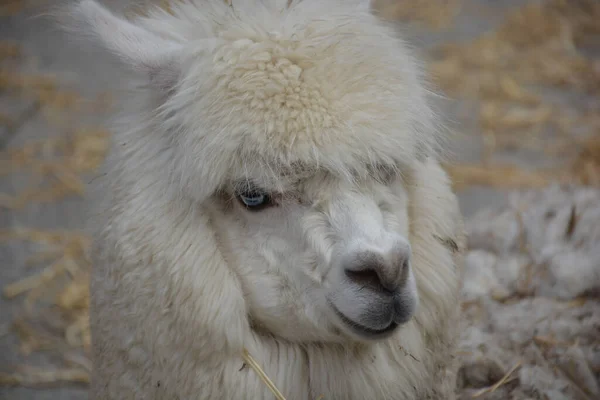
(140, 49)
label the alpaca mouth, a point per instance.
(364, 331)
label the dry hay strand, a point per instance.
(29, 376)
(501, 382)
(262, 375)
(436, 14)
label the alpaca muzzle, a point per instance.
(378, 293)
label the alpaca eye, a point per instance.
(254, 200)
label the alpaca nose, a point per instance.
(379, 271)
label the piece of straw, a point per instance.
(35, 376)
(254, 365)
(501, 382)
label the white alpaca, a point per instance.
(274, 186)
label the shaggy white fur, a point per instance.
(531, 296)
(273, 185)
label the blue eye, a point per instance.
(254, 200)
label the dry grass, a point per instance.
(54, 316)
(56, 164)
(502, 72)
(538, 48)
(436, 14)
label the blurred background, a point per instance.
(520, 81)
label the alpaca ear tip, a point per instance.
(138, 48)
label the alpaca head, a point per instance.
(294, 125)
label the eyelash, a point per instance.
(254, 200)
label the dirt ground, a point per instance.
(522, 87)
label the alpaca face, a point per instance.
(319, 257)
(291, 123)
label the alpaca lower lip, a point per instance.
(364, 330)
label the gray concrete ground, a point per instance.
(91, 72)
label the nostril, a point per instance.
(366, 277)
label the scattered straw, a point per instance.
(56, 299)
(61, 160)
(65, 279)
(500, 176)
(436, 14)
(539, 45)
